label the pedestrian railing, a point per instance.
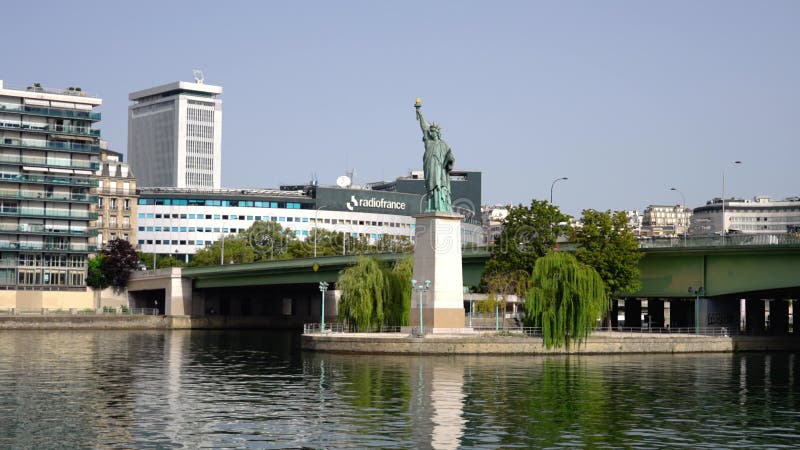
(315, 328)
(82, 312)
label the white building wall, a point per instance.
(184, 228)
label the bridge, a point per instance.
(678, 283)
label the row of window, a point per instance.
(373, 223)
(793, 219)
(112, 222)
(202, 243)
(37, 259)
(193, 229)
(209, 202)
(113, 203)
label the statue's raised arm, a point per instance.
(437, 162)
(422, 123)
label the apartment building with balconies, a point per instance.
(48, 155)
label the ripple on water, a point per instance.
(82, 389)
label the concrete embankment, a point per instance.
(597, 343)
(139, 322)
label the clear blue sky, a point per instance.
(626, 98)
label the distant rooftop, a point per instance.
(178, 87)
(35, 90)
(225, 192)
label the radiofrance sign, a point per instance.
(375, 203)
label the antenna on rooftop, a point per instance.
(198, 76)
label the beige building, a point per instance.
(665, 220)
(116, 199)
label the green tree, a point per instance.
(95, 277)
(328, 243)
(364, 289)
(269, 241)
(398, 294)
(119, 259)
(566, 299)
(529, 232)
(499, 286)
(608, 245)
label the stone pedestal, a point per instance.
(437, 257)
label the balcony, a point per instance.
(118, 191)
(52, 213)
(48, 197)
(50, 145)
(39, 161)
(48, 179)
(49, 112)
(50, 129)
(47, 246)
(24, 228)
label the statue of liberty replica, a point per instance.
(437, 163)
(437, 247)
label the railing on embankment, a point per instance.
(316, 328)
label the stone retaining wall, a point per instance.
(139, 322)
(597, 343)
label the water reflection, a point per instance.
(114, 389)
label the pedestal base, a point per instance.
(437, 258)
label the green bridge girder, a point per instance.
(670, 272)
(665, 272)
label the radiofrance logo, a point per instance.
(374, 203)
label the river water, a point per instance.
(250, 389)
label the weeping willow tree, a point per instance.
(374, 294)
(398, 294)
(363, 289)
(566, 299)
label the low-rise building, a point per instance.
(665, 220)
(761, 215)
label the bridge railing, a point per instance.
(731, 240)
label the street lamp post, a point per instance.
(421, 287)
(553, 184)
(316, 219)
(697, 293)
(222, 252)
(723, 202)
(683, 212)
(323, 287)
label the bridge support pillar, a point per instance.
(681, 313)
(754, 315)
(778, 316)
(721, 312)
(796, 317)
(655, 311)
(633, 312)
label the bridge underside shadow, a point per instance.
(280, 306)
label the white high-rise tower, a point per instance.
(175, 135)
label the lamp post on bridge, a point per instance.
(553, 184)
(316, 228)
(683, 212)
(723, 203)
